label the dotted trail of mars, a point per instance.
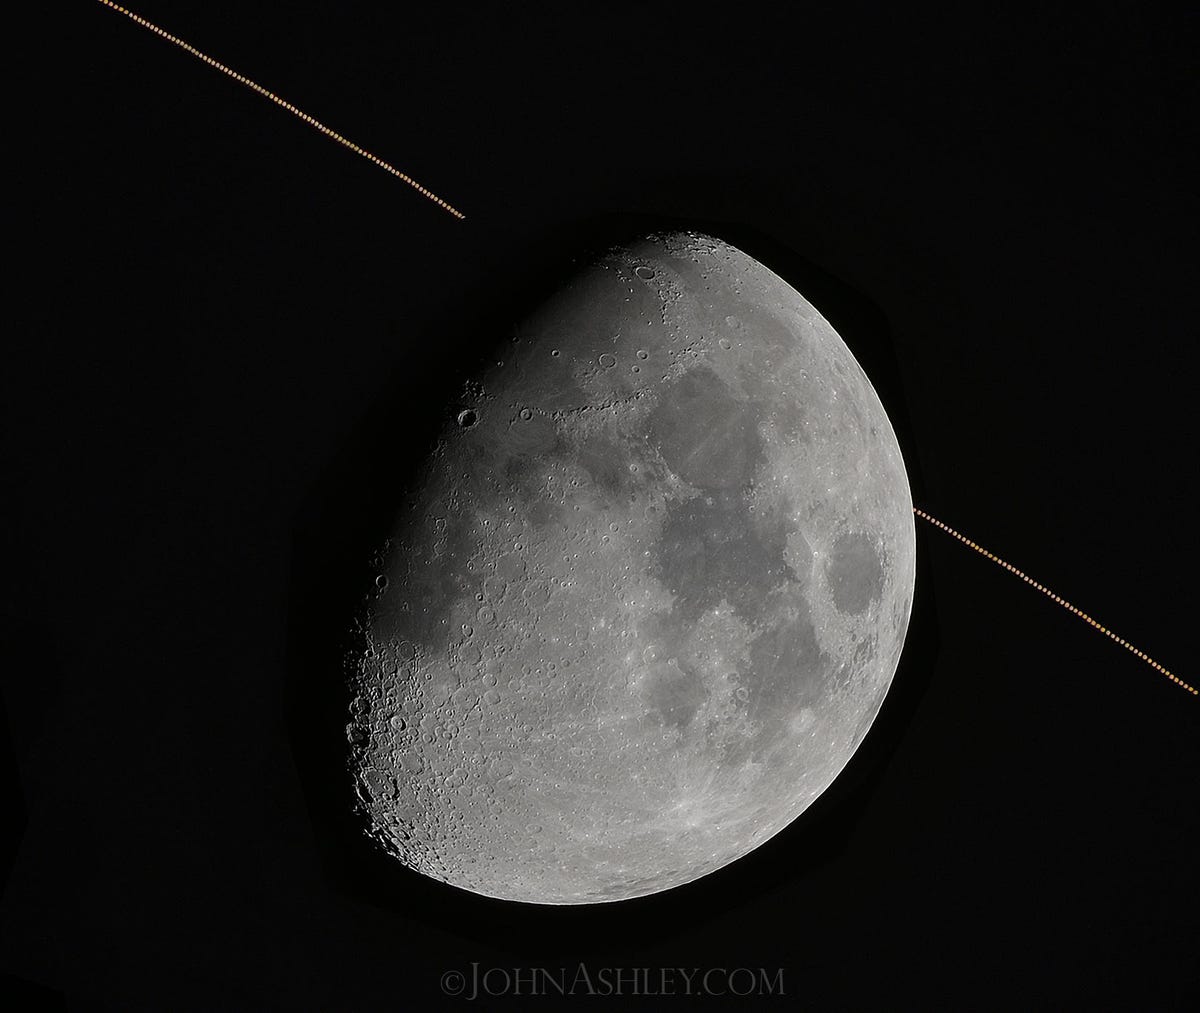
(350, 145)
(317, 125)
(1058, 600)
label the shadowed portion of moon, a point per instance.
(647, 594)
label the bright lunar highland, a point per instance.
(646, 595)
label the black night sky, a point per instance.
(232, 336)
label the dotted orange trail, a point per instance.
(321, 128)
(1061, 601)
(315, 124)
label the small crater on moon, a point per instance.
(645, 273)
(467, 418)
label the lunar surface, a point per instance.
(647, 594)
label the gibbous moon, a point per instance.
(647, 594)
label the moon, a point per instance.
(646, 595)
